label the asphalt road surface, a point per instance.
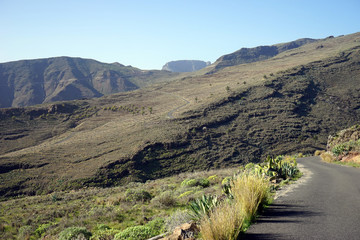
(326, 206)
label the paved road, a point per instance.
(326, 206)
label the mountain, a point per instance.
(286, 104)
(185, 65)
(248, 55)
(30, 82)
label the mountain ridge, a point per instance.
(30, 82)
(286, 104)
(260, 53)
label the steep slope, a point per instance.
(185, 65)
(286, 104)
(30, 82)
(248, 55)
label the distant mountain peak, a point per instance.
(185, 65)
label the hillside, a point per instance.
(31, 82)
(185, 65)
(249, 55)
(288, 103)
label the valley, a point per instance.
(237, 114)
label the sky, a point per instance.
(148, 33)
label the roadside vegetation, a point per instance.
(222, 202)
(343, 148)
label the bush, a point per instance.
(196, 182)
(166, 199)
(24, 232)
(74, 233)
(104, 234)
(137, 195)
(40, 231)
(134, 233)
(157, 226)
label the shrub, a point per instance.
(187, 193)
(213, 178)
(134, 233)
(157, 226)
(24, 232)
(40, 231)
(73, 233)
(104, 234)
(339, 149)
(165, 199)
(137, 195)
(195, 182)
(226, 180)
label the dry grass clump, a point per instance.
(327, 157)
(227, 220)
(319, 152)
(224, 223)
(250, 191)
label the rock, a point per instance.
(185, 231)
(185, 65)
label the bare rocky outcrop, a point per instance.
(185, 65)
(185, 231)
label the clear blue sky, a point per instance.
(147, 34)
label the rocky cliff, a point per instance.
(185, 65)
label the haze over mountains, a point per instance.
(228, 113)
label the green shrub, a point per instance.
(186, 193)
(134, 233)
(165, 199)
(226, 181)
(40, 231)
(196, 182)
(213, 178)
(73, 233)
(137, 195)
(157, 226)
(338, 149)
(104, 234)
(24, 232)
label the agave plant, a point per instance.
(203, 206)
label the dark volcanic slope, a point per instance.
(114, 139)
(248, 55)
(294, 111)
(30, 82)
